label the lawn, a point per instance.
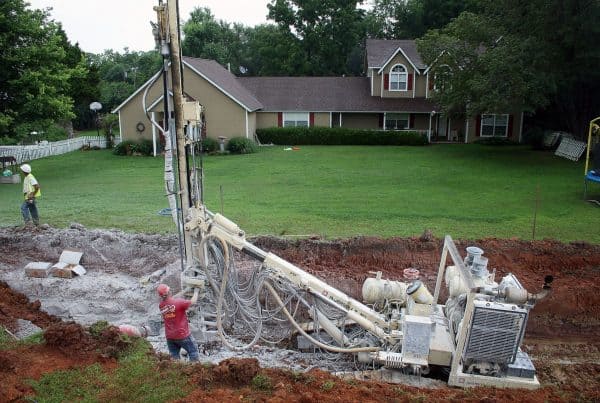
(467, 191)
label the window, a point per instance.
(398, 78)
(494, 125)
(396, 121)
(295, 119)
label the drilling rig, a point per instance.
(474, 336)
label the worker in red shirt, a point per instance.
(177, 327)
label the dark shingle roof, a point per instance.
(326, 94)
(379, 51)
(224, 80)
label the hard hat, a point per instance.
(26, 168)
(162, 289)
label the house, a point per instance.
(395, 94)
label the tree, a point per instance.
(121, 74)
(207, 38)
(521, 55)
(273, 51)
(327, 31)
(409, 19)
(35, 75)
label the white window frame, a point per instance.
(296, 119)
(494, 118)
(398, 118)
(396, 78)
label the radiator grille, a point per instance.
(495, 334)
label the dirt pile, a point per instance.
(561, 334)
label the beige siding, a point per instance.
(251, 124)
(421, 122)
(266, 119)
(224, 117)
(399, 59)
(132, 113)
(420, 85)
(360, 120)
(322, 119)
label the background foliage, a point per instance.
(338, 136)
(539, 55)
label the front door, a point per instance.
(442, 128)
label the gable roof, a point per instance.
(326, 94)
(223, 80)
(381, 51)
(216, 75)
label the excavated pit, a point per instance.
(124, 269)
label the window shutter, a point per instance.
(478, 125)
(510, 126)
(280, 119)
(312, 119)
(410, 82)
(381, 120)
(411, 121)
(386, 83)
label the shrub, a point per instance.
(129, 147)
(496, 141)
(338, 136)
(241, 145)
(262, 382)
(209, 145)
(535, 137)
(145, 147)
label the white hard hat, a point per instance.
(26, 168)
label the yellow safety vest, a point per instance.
(28, 186)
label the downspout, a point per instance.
(120, 126)
(154, 135)
(467, 130)
(247, 128)
(521, 128)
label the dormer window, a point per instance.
(398, 78)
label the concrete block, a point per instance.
(66, 270)
(70, 256)
(38, 269)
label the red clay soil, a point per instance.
(562, 333)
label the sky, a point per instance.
(98, 25)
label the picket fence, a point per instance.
(44, 149)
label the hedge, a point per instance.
(338, 136)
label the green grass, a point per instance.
(136, 379)
(467, 191)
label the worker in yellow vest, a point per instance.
(31, 190)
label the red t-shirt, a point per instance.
(173, 313)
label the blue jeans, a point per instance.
(29, 207)
(188, 344)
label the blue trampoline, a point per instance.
(592, 176)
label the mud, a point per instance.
(123, 268)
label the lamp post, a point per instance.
(95, 107)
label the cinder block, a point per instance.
(38, 269)
(65, 270)
(70, 256)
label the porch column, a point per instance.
(154, 135)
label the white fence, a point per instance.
(48, 149)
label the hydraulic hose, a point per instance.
(310, 338)
(220, 299)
